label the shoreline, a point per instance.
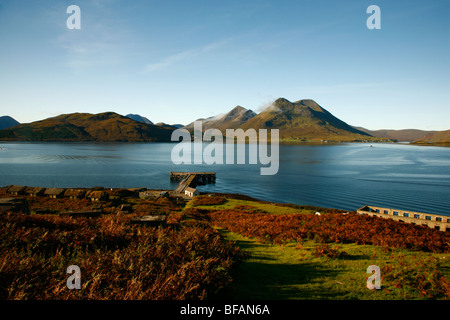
(99, 195)
(118, 194)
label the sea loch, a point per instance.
(343, 176)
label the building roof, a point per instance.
(96, 194)
(54, 191)
(33, 190)
(74, 192)
(189, 189)
(16, 188)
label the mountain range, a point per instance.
(299, 121)
(107, 126)
(302, 120)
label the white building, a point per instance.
(191, 192)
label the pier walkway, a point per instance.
(191, 179)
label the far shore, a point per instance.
(281, 142)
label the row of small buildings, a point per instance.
(435, 221)
(94, 195)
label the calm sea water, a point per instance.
(345, 176)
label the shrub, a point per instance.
(118, 260)
(333, 228)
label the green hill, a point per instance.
(398, 135)
(436, 138)
(108, 126)
(305, 120)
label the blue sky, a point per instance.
(176, 61)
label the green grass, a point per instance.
(292, 271)
(266, 207)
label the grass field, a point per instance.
(303, 270)
(291, 271)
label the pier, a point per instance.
(191, 179)
(438, 222)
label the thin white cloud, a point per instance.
(183, 56)
(87, 53)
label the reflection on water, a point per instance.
(343, 176)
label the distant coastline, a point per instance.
(281, 142)
(430, 144)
